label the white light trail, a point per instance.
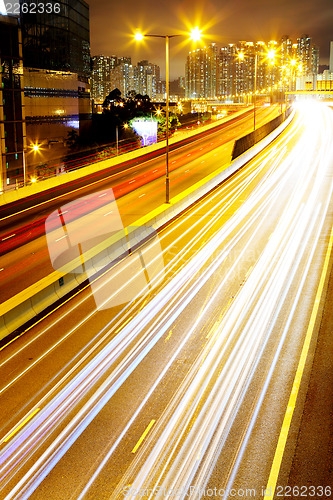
(233, 350)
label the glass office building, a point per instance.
(58, 40)
(12, 126)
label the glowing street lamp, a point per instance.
(195, 35)
(35, 147)
(271, 55)
(138, 36)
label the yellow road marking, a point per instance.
(214, 327)
(275, 470)
(143, 436)
(249, 271)
(169, 335)
(21, 425)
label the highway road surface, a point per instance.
(139, 189)
(193, 386)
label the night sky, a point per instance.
(113, 21)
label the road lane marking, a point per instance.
(29, 417)
(130, 182)
(249, 271)
(143, 436)
(144, 194)
(7, 237)
(276, 465)
(62, 237)
(169, 335)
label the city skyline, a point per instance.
(252, 21)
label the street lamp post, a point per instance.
(195, 35)
(241, 57)
(255, 89)
(270, 56)
(24, 169)
(167, 68)
(139, 36)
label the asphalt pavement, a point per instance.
(144, 190)
(185, 388)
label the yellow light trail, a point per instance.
(18, 427)
(261, 291)
(279, 452)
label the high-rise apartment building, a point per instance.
(211, 58)
(314, 59)
(143, 79)
(308, 58)
(304, 53)
(286, 50)
(231, 70)
(177, 88)
(122, 76)
(325, 79)
(146, 78)
(101, 77)
(201, 73)
(195, 74)
(236, 68)
(225, 70)
(124, 60)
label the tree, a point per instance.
(72, 139)
(130, 96)
(113, 98)
(173, 123)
